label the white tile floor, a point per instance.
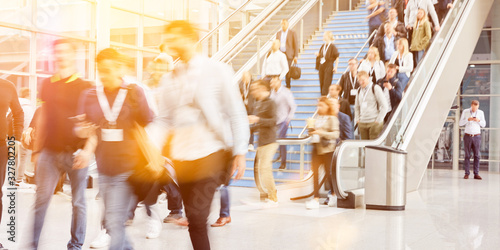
(447, 212)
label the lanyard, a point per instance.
(325, 49)
(400, 61)
(111, 114)
(366, 92)
(353, 82)
(475, 114)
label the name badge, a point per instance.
(354, 92)
(112, 134)
(322, 60)
(364, 105)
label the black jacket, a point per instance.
(395, 93)
(266, 111)
(345, 82)
(331, 55)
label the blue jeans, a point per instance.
(403, 79)
(282, 129)
(474, 144)
(224, 201)
(51, 165)
(117, 195)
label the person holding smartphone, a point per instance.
(473, 120)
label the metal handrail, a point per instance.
(356, 57)
(242, 48)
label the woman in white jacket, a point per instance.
(404, 60)
(373, 65)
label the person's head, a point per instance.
(65, 53)
(363, 78)
(328, 37)
(334, 90)
(284, 24)
(246, 77)
(326, 106)
(112, 66)
(403, 46)
(393, 14)
(421, 15)
(260, 89)
(24, 93)
(373, 54)
(275, 83)
(353, 65)
(391, 71)
(388, 29)
(276, 45)
(474, 105)
(163, 48)
(180, 39)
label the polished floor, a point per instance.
(447, 212)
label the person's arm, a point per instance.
(343, 85)
(356, 109)
(432, 11)
(333, 131)
(284, 66)
(372, 6)
(82, 159)
(382, 104)
(269, 119)
(17, 113)
(463, 120)
(292, 105)
(408, 63)
(427, 36)
(482, 120)
(335, 56)
(349, 128)
(295, 47)
(142, 113)
(407, 15)
(380, 70)
(396, 92)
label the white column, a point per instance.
(494, 122)
(103, 11)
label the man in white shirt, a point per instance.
(201, 108)
(275, 64)
(289, 45)
(473, 120)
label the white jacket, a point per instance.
(407, 65)
(378, 67)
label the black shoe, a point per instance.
(476, 176)
(466, 176)
(282, 166)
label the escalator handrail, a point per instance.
(335, 167)
(374, 33)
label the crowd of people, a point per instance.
(194, 115)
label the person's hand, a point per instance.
(449, 6)
(476, 119)
(27, 136)
(471, 119)
(316, 54)
(437, 28)
(295, 60)
(388, 85)
(81, 160)
(85, 129)
(409, 27)
(239, 165)
(253, 119)
(335, 70)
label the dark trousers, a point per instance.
(472, 143)
(288, 78)
(316, 162)
(174, 198)
(198, 181)
(3, 169)
(325, 77)
(282, 129)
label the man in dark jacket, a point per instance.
(392, 89)
(289, 46)
(265, 123)
(387, 43)
(349, 83)
(8, 99)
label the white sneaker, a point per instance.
(23, 185)
(312, 204)
(102, 240)
(251, 147)
(154, 229)
(332, 201)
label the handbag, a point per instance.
(295, 71)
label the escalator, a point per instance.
(417, 122)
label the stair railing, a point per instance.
(373, 34)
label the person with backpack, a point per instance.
(370, 108)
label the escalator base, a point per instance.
(388, 208)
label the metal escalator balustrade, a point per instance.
(425, 104)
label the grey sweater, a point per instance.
(367, 113)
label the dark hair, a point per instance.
(110, 54)
(24, 92)
(71, 42)
(184, 28)
(474, 102)
(337, 86)
(329, 103)
(392, 66)
(362, 74)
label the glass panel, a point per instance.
(60, 16)
(488, 46)
(153, 29)
(124, 27)
(485, 144)
(163, 9)
(132, 5)
(16, 12)
(45, 57)
(14, 50)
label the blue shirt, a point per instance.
(345, 127)
(115, 158)
(389, 47)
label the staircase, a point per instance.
(266, 32)
(350, 32)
